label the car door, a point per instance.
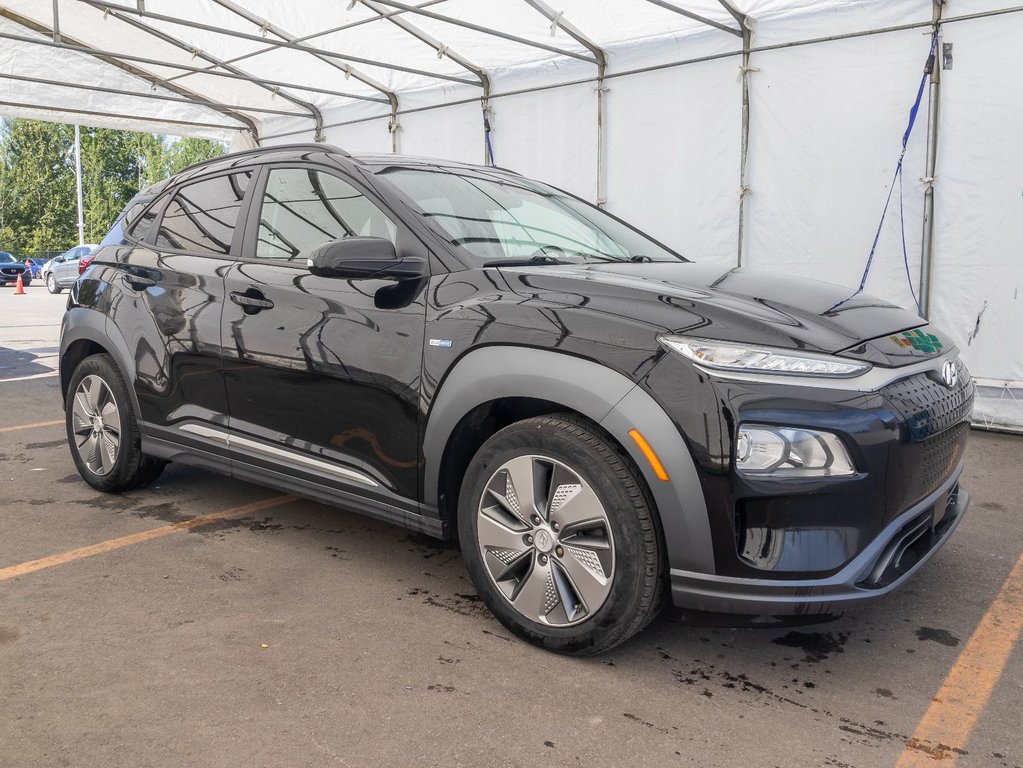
(170, 298)
(59, 270)
(323, 374)
(69, 267)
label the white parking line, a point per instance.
(33, 376)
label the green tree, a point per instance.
(37, 178)
(186, 151)
(37, 186)
(110, 178)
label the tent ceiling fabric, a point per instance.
(260, 58)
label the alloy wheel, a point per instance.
(546, 541)
(96, 424)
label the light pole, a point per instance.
(78, 184)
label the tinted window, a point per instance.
(138, 226)
(303, 208)
(495, 216)
(201, 217)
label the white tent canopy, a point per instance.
(755, 132)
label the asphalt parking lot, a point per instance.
(209, 622)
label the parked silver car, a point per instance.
(62, 271)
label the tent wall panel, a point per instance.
(672, 166)
(453, 133)
(978, 272)
(826, 129)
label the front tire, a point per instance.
(51, 284)
(559, 535)
(103, 430)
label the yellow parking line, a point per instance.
(32, 426)
(945, 728)
(12, 571)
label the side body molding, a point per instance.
(602, 395)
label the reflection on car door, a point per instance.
(322, 374)
(173, 291)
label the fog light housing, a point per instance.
(790, 452)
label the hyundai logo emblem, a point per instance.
(949, 374)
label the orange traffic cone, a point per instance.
(20, 289)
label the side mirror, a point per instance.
(363, 257)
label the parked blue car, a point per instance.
(36, 265)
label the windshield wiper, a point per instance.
(639, 258)
(541, 259)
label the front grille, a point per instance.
(927, 405)
(937, 457)
(934, 440)
(11, 270)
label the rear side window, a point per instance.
(304, 208)
(201, 217)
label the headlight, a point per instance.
(740, 357)
(790, 452)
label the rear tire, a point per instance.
(103, 431)
(559, 535)
(51, 284)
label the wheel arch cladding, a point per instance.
(86, 332)
(604, 396)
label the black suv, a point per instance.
(469, 353)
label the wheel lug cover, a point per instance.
(559, 551)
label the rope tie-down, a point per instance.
(897, 177)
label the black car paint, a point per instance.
(347, 371)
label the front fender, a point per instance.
(604, 396)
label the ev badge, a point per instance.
(949, 374)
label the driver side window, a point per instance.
(304, 208)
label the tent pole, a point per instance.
(601, 139)
(933, 105)
(56, 22)
(78, 183)
(744, 189)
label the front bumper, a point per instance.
(881, 567)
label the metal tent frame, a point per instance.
(162, 75)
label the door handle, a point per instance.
(251, 301)
(136, 281)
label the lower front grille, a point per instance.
(914, 540)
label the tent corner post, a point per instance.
(933, 111)
(392, 125)
(601, 135)
(744, 189)
(488, 128)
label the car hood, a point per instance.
(749, 306)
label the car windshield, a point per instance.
(6, 258)
(504, 218)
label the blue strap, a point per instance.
(897, 177)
